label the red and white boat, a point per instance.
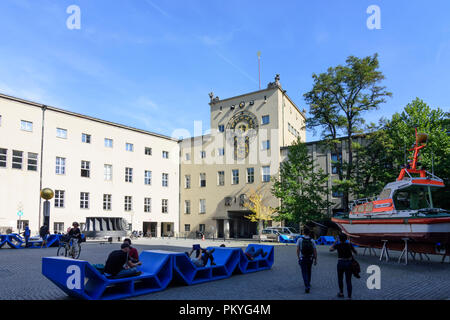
(403, 211)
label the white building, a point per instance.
(96, 169)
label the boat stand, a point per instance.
(413, 255)
(371, 250)
(384, 251)
(405, 251)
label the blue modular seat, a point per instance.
(325, 240)
(16, 241)
(2, 240)
(285, 239)
(80, 279)
(259, 263)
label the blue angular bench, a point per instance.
(2, 240)
(285, 239)
(82, 280)
(15, 241)
(257, 264)
(325, 240)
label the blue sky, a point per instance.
(150, 64)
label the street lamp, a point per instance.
(47, 194)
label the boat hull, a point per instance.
(426, 235)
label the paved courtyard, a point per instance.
(21, 278)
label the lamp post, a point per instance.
(47, 194)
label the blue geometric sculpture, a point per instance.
(285, 239)
(325, 240)
(257, 264)
(15, 241)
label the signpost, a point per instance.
(20, 214)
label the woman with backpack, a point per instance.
(344, 265)
(306, 254)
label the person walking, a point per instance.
(306, 255)
(344, 265)
(26, 234)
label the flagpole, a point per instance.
(259, 68)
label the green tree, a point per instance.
(339, 99)
(301, 187)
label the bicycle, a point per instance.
(69, 249)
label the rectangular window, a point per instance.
(221, 178)
(26, 125)
(108, 143)
(202, 208)
(338, 194)
(32, 161)
(202, 179)
(60, 165)
(187, 206)
(59, 198)
(221, 151)
(265, 119)
(0, 120)
(129, 147)
(164, 205)
(188, 156)
(108, 172)
(235, 176)
(58, 227)
(266, 173)
(85, 138)
(336, 162)
(202, 154)
(22, 223)
(165, 154)
(266, 145)
(165, 179)
(250, 175)
(3, 157)
(17, 159)
(85, 168)
(201, 227)
(148, 177)
(128, 203)
(84, 200)
(128, 174)
(221, 128)
(61, 133)
(147, 204)
(107, 202)
(187, 227)
(187, 181)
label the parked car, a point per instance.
(270, 234)
(286, 230)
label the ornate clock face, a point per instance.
(244, 127)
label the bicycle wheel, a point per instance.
(61, 251)
(76, 250)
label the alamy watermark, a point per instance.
(74, 20)
(374, 20)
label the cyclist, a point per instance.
(75, 232)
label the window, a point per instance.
(265, 119)
(0, 120)
(187, 181)
(228, 201)
(128, 203)
(188, 156)
(108, 172)
(336, 162)
(60, 165)
(148, 151)
(221, 178)
(187, 227)
(128, 174)
(235, 176)
(26, 125)
(17, 159)
(266, 173)
(221, 128)
(202, 154)
(338, 194)
(266, 145)
(165, 179)
(165, 154)
(59, 198)
(86, 138)
(107, 202)
(84, 200)
(58, 227)
(85, 168)
(202, 179)
(201, 227)
(22, 223)
(148, 177)
(61, 133)
(202, 208)
(3, 157)
(187, 206)
(147, 204)
(32, 161)
(250, 175)
(164, 205)
(108, 143)
(221, 151)
(129, 147)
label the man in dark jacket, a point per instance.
(118, 265)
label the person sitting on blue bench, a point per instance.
(118, 265)
(201, 256)
(252, 253)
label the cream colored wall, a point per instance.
(290, 114)
(19, 187)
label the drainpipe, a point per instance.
(44, 107)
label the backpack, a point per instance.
(307, 247)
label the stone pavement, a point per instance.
(21, 277)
